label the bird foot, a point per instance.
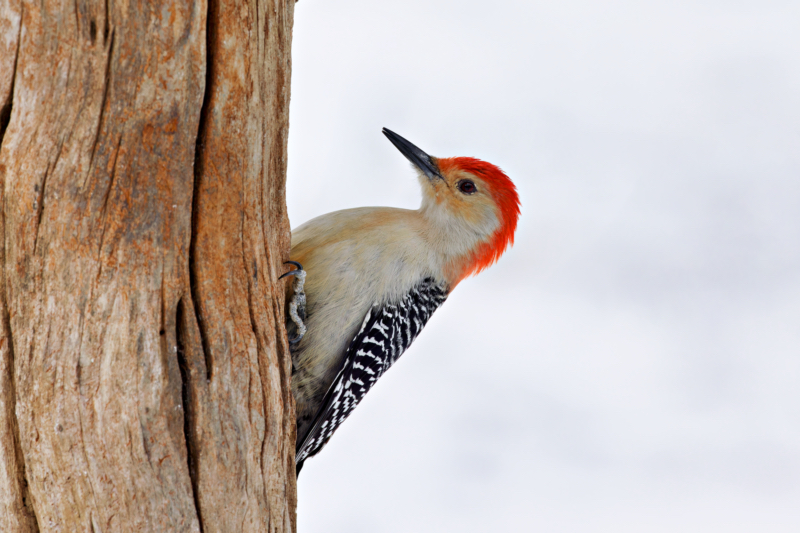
(297, 306)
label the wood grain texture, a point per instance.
(144, 375)
(16, 516)
(244, 457)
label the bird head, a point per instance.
(472, 204)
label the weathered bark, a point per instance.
(144, 371)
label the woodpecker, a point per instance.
(368, 279)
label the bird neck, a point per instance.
(460, 243)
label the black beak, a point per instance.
(421, 160)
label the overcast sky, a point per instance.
(633, 363)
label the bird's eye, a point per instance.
(467, 187)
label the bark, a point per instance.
(144, 369)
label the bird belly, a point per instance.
(347, 274)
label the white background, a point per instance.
(633, 363)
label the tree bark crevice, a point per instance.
(5, 118)
(188, 415)
(104, 101)
(6, 107)
(41, 189)
(104, 209)
(199, 171)
(106, 20)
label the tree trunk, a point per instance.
(144, 368)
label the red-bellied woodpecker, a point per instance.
(375, 275)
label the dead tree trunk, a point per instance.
(144, 370)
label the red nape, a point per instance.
(504, 192)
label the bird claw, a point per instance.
(297, 306)
(292, 272)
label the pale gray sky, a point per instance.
(633, 363)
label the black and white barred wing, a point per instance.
(387, 331)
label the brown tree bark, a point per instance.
(144, 369)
